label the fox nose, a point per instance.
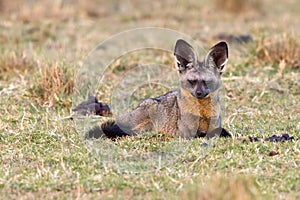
(201, 94)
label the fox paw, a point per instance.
(221, 132)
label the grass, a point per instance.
(284, 48)
(52, 84)
(14, 63)
(42, 151)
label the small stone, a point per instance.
(273, 153)
(204, 144)
(291, 138)
(285, 136)
(278, 139)
(253, 139)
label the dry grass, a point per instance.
(278, 49)
(233, 188)
(24, 10)
(14, 63)
(54, 82)
(61, 10)
(239, 7)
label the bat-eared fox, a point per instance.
(191, 111)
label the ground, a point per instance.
(43, 45)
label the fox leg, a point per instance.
(221, 132)
(188, 126)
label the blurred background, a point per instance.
(80, 23)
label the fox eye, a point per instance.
(192, 82)
(209, 83)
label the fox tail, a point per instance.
(109, 129)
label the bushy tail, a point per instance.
(109, 129)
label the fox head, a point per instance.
(200, 78)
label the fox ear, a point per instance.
(185, 55)
(217, 57)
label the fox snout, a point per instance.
(201, 90)
(202, 93)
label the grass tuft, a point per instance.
(14, 63)
(284, 48)
(53, 86)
